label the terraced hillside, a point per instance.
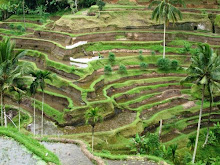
(76, 48)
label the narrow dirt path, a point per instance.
(83, 148)
(68, 153)
(130, 162)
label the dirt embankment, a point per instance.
(41, 64)
(128, 97)
(76, 116)
(170, 93)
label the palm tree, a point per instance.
(33, 91)
(92, 116)
(165, 11)
(212, 85)
(202, 69)
(9, 69)
(41, 77)
(24, 14)
(20, 88)
(191, 142)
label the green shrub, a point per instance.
(100, 4)
(19, 27)
(186, 47)
(140, 52)
(153, 53)
(111, 57)
(122, 69)
(11, 26)
(108, 69)
(143, 65)
(163, 64)
(174, 64)
(72, 68)
(140, 57)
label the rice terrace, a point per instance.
(110, 82)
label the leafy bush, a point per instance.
(174, 64)
(122, 69)
(20, 28)
(153, 53)
(140, 52)
(186, 47)
(108, 69)
(100, 4)
(11, 26)
(143, 66)
(163, 64)
(140, 57)
(146, 144)
(87, 3)
(111, 57)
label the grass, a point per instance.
(144, 88)
(32, 145)
(71, 105)
(51, 63)
(170, 112)
(50, 112)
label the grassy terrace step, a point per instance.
(118, 19)
(131, 74)
(27, 24)
(50, 112)
(143, 89)
(179, 34)
(157, 78)
(51, 63)
(148, 106)
(108, 7)
(140, 99)
(61, 84)
(32, 145)
(70, 101)
(182, 124)
(131, 60)
(172, 112)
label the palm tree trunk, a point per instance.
(42, 116)
(19, 116)
(34, 117)
(164, 39)
(24, 15)
(76, 5)
(199, 123)
(210, 110)
(93, 128)
(160, 130)
(1, 110)
(4, 111)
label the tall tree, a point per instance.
(24, 15)
(213, 84)
(199, 72)
(33, 91)
(19, 87)
(41, 77)
(165, 12)
(92, 116)
(9, 69)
